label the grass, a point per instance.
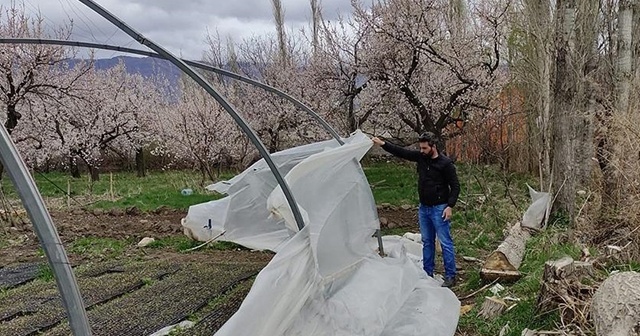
(392, 183)
(45, 273)
(121, 190)
(99, 247)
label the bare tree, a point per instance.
(573, 106)
(316, 19)
(612, 153)
(278, 16)
(531, 65)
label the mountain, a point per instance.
(148, 67)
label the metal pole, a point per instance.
(199, 65)
(380, 247)
(221, 100)
(47, 234)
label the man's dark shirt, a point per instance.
(437, 178)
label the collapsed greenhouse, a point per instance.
(327, 278)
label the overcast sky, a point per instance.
(178, 25)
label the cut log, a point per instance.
(492, 307)
(504, 262)
(615, 307)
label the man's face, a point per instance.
(425, 148)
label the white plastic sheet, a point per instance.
(536, 212)
(243, 214)
(327, 278)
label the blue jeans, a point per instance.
(432, 224)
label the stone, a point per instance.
(146, 241)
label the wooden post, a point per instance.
(68, 193)
(111, 187)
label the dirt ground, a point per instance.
(20, 244)
(141, 281)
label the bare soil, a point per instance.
(141, 289)
(20, 243)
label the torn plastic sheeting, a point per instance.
(334, 192)
(326, 280)
(243, 213)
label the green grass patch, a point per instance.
(123, 189)
(45, 273)
(393, 183)
(99, 247)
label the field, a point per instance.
(135, 291)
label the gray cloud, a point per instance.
(180, 26)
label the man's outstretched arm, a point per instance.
(411, 155)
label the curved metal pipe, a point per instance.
(47, 234)
(199, 65)
(221, 100)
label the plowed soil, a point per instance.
(136, 292)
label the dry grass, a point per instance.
(619, 223)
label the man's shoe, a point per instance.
(449, 282)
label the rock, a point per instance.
(384, 221)
(145, 241)
(391, 225)
(406, 207)
(98, 211)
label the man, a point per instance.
(438, 189)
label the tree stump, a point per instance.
(492, 307)
(615, 307)
(504, 262)
(562, 289)
(554, 283)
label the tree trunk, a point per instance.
(13, 116)
(140, 163)
(553, 287)
(74, 169)
(95, 173)
(613, 153)
(278, 15)
(564, 182)
(615, 307)
(315, 25)
(565, 289)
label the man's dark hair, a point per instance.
(428, 137)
